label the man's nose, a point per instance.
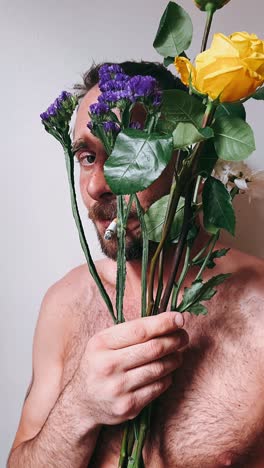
(97, 187)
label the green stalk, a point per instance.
(182, 277)
(210, 10)
(144, 258)
(180, 247)
(123, 450)
(136, 459)
(78, 222)
(214, 239)
(121, 259)
(204, 248)
(177, 192)
(160, 284)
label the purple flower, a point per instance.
(135, 125)
(44, 116)
(111, 127)
(64, 95)
(99, 108)
(110, 68)
(157, 99)
(60, 110)
(114, 74)
(111, 97)
(142, 86)
(113, 85)
(90, 125)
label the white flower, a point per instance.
(240, 175)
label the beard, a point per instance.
(107, 211)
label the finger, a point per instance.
(156, 348)
(149, 373)
(144, 395)
(141, 330)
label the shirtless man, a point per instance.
(90, 376)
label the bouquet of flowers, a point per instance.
(202, 130)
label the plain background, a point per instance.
(45, 48)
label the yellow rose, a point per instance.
(232, 69)
(207, 4)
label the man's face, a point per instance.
(96, 194)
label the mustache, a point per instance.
(107, 211)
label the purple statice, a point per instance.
(112, 97)
(90, 125)
(157, 99)
(135, 125)
(60, 111)
(111, 127)
(112, 78)
(142, 86)
(113, 68)
(99, 108)
(114, 85)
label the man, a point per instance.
(89, 376)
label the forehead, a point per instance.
(82, 116)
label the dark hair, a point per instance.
(164, 77)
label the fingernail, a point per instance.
(179, 319)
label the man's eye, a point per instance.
(86, 159)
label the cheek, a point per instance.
(83, 187)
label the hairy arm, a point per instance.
(63, 442)
(122, 369)
(51, 430)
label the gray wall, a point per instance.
(45, 47)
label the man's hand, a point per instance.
(128, 365)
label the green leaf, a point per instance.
(155, 217)
(200, 291)
(136, 161)
(178, 106)
(198, 309)
(210, 262)
(175, 31)
(168, 61)
(217, 207)
(259, 94)
(186, 134)
(233, 109)
(234, 138)
(207, 159)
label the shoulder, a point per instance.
(60, 308)
(68, 301)
(247, 274)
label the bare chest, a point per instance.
(210, 416)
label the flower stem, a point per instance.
(177, 190)
(144, 258)
(121, 258)
(78, 222)
(180, 247)
(182, 277)
(213, 241)
(136, 460)
(210, 9)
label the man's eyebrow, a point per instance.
(79, 144)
